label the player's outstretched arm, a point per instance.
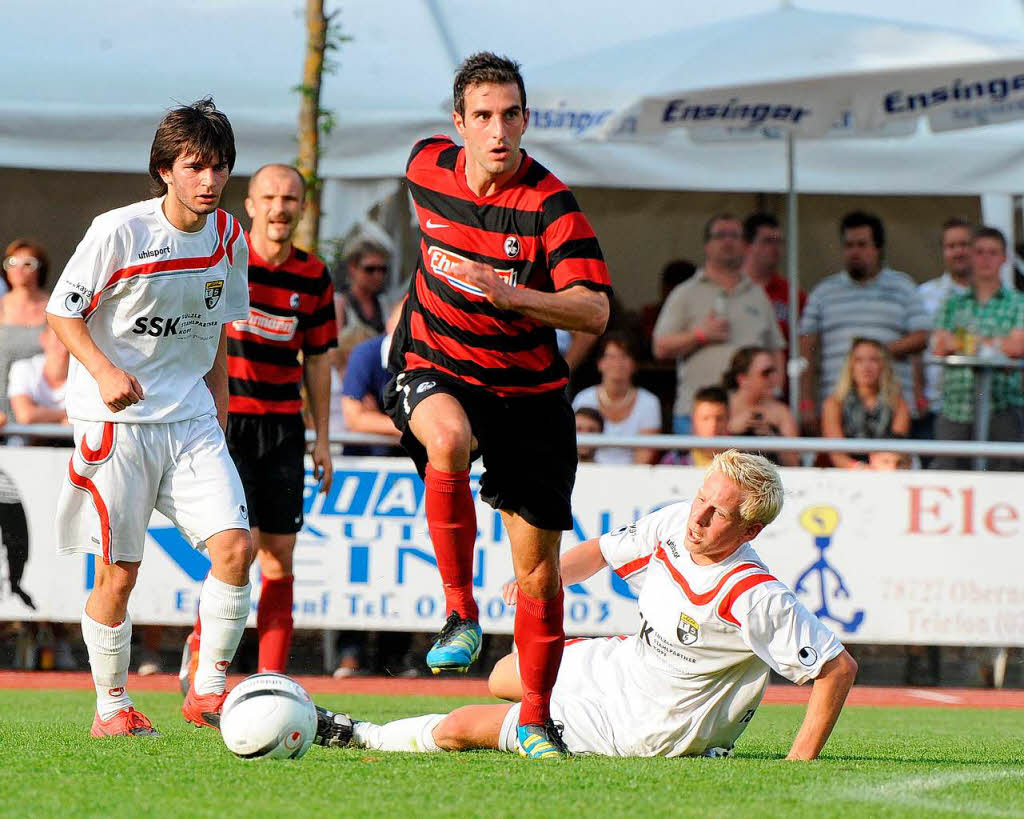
(827, 697)
(118, 389)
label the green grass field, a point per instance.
(918, 762)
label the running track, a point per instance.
(403, 686)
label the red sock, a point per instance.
(451, 519)
(540, 638)
(274, 623)
(198, 627)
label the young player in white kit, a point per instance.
(713, 622)
(142, 307)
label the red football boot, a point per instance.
(125, 723)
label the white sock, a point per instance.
(412, 734)
(223, 610)
(110, 651)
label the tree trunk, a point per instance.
(309, 123)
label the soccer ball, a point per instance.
(269, 716)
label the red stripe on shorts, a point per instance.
(101, 508)
(92, 456)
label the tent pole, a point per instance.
(795, 365)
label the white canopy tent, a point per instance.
(786, 72)
(87, 81)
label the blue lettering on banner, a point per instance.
(349, 494)
(358, 564)
(680, 111)
(994, 89)
(400, 496)
(564, 119)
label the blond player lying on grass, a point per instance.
(714, 621)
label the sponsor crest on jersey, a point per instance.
(687, 630)
(294, 301)
(212, 293)
(267, 325)
(74, 302)
(512, 247)
(444, 263)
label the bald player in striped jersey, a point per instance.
(506, 257)
(714, 622)
(291, 314)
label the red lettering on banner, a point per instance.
(918, 510)
(968, 509)
(932, 510)
(1001, 513)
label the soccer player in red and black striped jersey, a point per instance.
(291, 311)
(506, 257)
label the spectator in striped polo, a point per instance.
(291, 312)
(864, 299)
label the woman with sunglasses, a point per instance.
(867, 402)
(753, 407)
(23, 308)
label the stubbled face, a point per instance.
(956, 251)
(195, 186)
(492, 128)
(867, 364)
(715, 529)
(274, 204)
(766, 249)
(987, 258)
(709, 419)
(724, 246)
(860, 256)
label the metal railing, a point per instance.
(965, 449)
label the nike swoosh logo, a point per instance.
(436, 224)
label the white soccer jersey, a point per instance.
(697, 669)
(154, 298)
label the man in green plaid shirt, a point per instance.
(993, 316)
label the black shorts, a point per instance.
(269, 452)
(528, 444)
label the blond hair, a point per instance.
(759, 480)
(888, 382)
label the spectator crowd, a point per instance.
(876, 346)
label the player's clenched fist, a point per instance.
(497, 291)
(119, 389)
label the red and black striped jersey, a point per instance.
(291, 308)
(531, 231)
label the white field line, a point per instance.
(912, 792)
(935, 696)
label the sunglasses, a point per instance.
(374, 268)
(21, 261)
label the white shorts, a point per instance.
(120, 473)
(613, 704)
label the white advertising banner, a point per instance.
(905, 557)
